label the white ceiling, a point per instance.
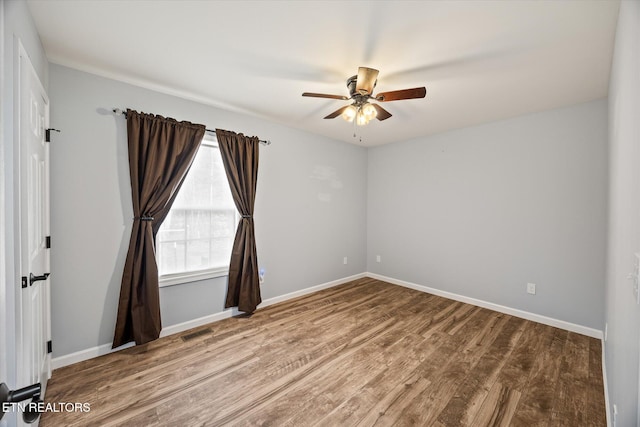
(479, 60)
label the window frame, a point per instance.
(173, 279)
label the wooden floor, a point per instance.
(363, 353)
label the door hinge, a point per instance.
(47, 134)
(49, 347)
(25, 281)
(47, 241)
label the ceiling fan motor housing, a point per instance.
(358, 98)
(351, 85)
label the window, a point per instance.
(195, 240)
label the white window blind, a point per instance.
(195, 240)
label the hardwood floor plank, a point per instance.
(498, 407)
(401, 360)
(515, 374)
(348, 380)
(571, 405)
(356, 408)
(233, 408)
(535, 404)
(462, 408)
(447, 375)
(340, 379)
(437, 321)
(365, 352)
(490, 329)
(459, 320)
(596, 402)
(390, 407)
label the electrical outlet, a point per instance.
(615, 414)
(345, 261)
(531, 288)
(378, 258)
(606, 331)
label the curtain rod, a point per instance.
(118, 112)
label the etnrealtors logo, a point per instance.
(46, 407)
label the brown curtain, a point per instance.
(240, 158)
(161, 151)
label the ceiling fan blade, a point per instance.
(366, 80)
(324, 95)
(382, 113)
(336, 113)
(396, 95)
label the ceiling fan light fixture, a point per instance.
(349, 113)
(361, 118)
(369, 111)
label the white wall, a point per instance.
(622, 313)
(482, 211)
(16, 24)
(478, 211)
(309, 212)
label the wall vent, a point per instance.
(196, 334)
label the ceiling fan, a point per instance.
(361, 92)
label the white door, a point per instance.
(34, 330)
(4, 303)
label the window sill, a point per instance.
(194, 276)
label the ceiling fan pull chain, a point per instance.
(355, 134)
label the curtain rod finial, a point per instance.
(118, 111)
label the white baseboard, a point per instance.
(90, 353)
(310, 290)
(100, 350)
(572, 327)
(606, 386)
(190, 324)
